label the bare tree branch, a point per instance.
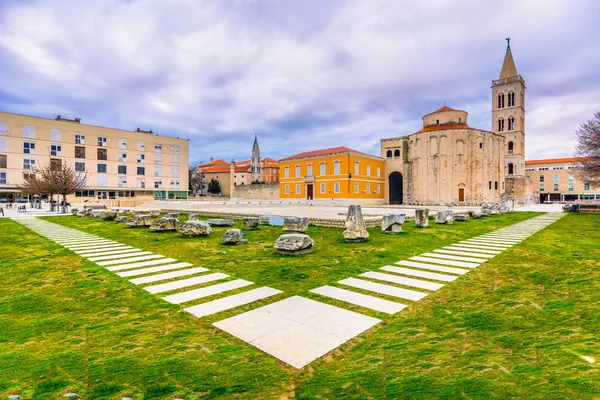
(588, 149)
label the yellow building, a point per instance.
(119, 163)
(335, 173)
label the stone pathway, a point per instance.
(295, 330)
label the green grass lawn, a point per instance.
(520, 326)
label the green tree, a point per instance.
(214, 186)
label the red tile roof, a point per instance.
(444, 108)
(443, 127)
(324, 152)
(214, 163)
(214, 170)
(553, 161)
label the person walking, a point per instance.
(2, 211)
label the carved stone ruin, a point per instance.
(444, 217)
(140, 220)
(108, 215)
(294, 244)
(422, 217)
(165, 224)
(220, 222)
(194, 228)
(392, 223)
(295, 224)
(234, 236)
(251, 222)
(356, 230)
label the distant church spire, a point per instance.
(256, 162)
(508, 66)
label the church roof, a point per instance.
(553, 161)
(324, 152)
(443, 127)
(508, 66)
(444, 108)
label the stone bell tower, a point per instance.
(508, 113)
(508, 119)
(255, 161)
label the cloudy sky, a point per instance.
(302, 74)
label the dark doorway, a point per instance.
(309, 192)
(461, 194)
(396, 190)
(511, 168)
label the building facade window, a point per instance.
(141, 158)
(55, 150)
(79, 152)
(79, 138)
(511, 99)
(571, 177)
(571, 187)
(122, 169)
(297, 171)
(29, 132)
(368, 188)
(141, 170)
(28, 163)
(501, 100)
(122, 143)
(586, 186)
(102, 141)
(141, 146)
(356, 187)
(2, 178)
(555, 177)
(368, 170)
(336, 187)
(101, 168)
(323, 188)
(501, 125)
(396, 153)
(29, 148)
(297, 188)
(541, 178)
(157, 148)
(511, 168)
(511, 123)
(378, 189)
(287, 189)
(3, 161)
(157, 183)
(357, 168)
(3, 144)
(102, 154)
(388, 154)
(122, 181)
(556, 187)
(323, 167)
(3, 130)
(541, 187)
(101, 181)
(141, 183)
(79, 166)
(496, 185)
(56, 135)
(336, 168)
(309, 170)
(378, 172)
(286, 171)
(158, 159)
(157, 171)
(122, 156)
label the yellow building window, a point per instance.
(336, 187)
(356, 187)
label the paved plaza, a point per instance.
(295, 330)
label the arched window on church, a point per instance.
(388, 154)
(511, 168)
(397, 153)
(511, 123)
(501, 125)
(287, 172)
(511, 99)
(511, 146)
(501, 100)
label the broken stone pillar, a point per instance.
(462, 217)
(392, 223)
(194, 228)
(444, 217)
(140, 220)
(234, 236)
(294, 244)
(422, 217)
(486, 209)
(251, 222)
(165, 224)
(475, 214)
(295, 224)
(356, 230)
(220, 222)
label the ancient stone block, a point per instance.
(475, 214)
(165, 224)
(171, 215)
(74, 211)
(121, 219)
(220, 222)
(251, 222)
(356, 231)
(234, 236)
(140, 220)
(108, 215)
(462, 217)
(294, 243)
(194, 228)
(95, 213)
(444, 217)
(295, 224)
(392, 223)
(193, 217)
(422, 217)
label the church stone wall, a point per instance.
(258, 191)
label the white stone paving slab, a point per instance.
(487, 243)
(465, 253)
(141, 264)
(129, 260)
(101, 247)
(233, 301)
(114, 257)
(457, 258)
(68, 245)
(432, 267)
(497, 241)
(195, 294)
(418, 283)
(276, 329)
(182, 283)
(111, 248)
(472, 249)
(421, 274)
(444, 262)
(383, 289)
(93, 253)
(168, 275)
(151, 270)
(359, 299)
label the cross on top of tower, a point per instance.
(507, 42)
